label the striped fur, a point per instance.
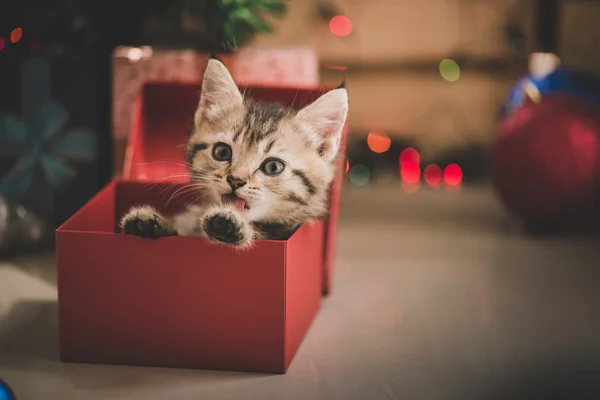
(306, 142)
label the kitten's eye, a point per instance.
(221, 152)
(272, 167)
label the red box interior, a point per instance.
(181, 301)
(161, 125)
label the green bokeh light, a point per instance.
(360, 175)
(449, 70)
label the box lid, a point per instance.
(162, 120)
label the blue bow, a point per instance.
(43, 143)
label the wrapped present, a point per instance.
(276, 66)
(133, 66)
(184, 301)
(52, 133)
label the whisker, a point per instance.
(294, 101)
(174, 195)
(169, 188)
(197, 199)
(171, 184)
(189, 191)
(183, 164)
(181, 178)
(182, 191)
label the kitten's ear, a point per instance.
(219, 93)
(323, 122)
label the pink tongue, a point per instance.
(240, 204)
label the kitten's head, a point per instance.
(280, 161)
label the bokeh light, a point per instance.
(135, 54)
(410, 187)
(378, 143)
(541, 64)
(337, 67)
(433, 175)
(453, 175)
(16, 35)
(360, 175)
(347, 166)
(2, 43)
(340, 25)
(409, 157)
(410, 173)
(449, 70)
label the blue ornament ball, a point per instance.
(582, 84)
(517, 95)
(6, 392)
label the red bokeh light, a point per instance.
(453, 175)
(340, 25)
(409, 157)
(16, 35)
(410, 187)
(411, 173)
(347, 166)
(433, 175)
(378, 143)
(2, 43)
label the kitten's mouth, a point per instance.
(238, 202)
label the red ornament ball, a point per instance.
(545, 161)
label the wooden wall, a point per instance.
(580, 38)
(393, 54)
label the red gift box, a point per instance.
(161, 124)
(183, 301)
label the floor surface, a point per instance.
(437, 296)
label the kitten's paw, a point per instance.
(146, 222)
(227, 226)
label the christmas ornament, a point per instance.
(562, 80)
(518, 95)
(545, 161)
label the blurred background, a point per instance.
(429, 82)
(471, 186)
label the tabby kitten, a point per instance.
(264, 169)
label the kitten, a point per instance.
(264, 169)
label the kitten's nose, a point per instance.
(235, 183)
